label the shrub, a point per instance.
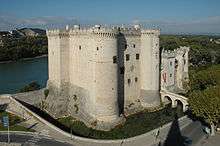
(30, 87)
(46, 93)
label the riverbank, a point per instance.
(16, 75)
(23, 59)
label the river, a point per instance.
(15, 75)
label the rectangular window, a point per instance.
(171, 63)
(170, 75)
(114, 59)
(136, 79)
(129, 81)
(127, 57)
(80, 47)
(134, 46)
(126, 46)
(137, 56)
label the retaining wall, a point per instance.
(146, 139)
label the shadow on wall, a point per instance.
(174, 137)
(3, 107)
(121, 46)
(46, 117)
(160, 67)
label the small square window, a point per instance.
(80, 47)
(114, 59)
(129, 81)
(127, 57)
(170, 75)
(171, 63)
(136, 79)
(126, 46)
(137, 56)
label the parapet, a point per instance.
(168, 53)
(173, 53)
(100, 31)
(131, 31)
(57, 32)
(150, 31)
(182, 50)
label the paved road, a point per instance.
(188, 136)
(194, 132)
(210, 141)
(27, 140)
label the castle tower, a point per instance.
(93, 82)
(149, 68)
(105, 100)
(58, 44)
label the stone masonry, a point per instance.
(99, 74)
(174, 69)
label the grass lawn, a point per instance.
(137, 124)
(13, 122)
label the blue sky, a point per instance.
(172, 16)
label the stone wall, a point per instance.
(10, 144)
(149, 67)
(174, 69)
(147, 139)
(102, 73)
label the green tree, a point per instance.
(206, 104)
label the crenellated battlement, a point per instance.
(172, 53)
(99, 31)
(130, 31)
(168, 53)
(182, 50)
(57, 32)
(150, 32)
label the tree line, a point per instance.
(203, 49)
(14, 49)
(204, 94)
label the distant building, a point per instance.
(4, 34)
(97, 74)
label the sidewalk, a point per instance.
(45, 130)
(211, 141)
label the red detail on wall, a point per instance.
(164, 77)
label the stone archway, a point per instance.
(167, 100)
(179, 106)
(175, 99)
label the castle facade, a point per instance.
(99, 74)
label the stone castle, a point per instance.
(100, 74)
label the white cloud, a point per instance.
(205, 25)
